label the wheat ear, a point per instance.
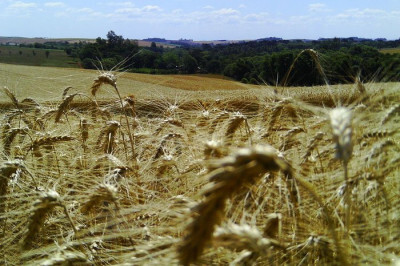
(228, 177)
(65, 257)
(213, 149)
(235, 122)
(105, 78)
(342, 133)
(222, 116)
(65, 92)
(160, 151)
(104, 192)
(272, 225)
(64, 105)
(244, 237)
(84, 126)
(9, 138)
(108, 132)
(12, 97)
(110, 79)
(29, 103)
(394, 110)
(312, 144)
(46, 141)
(170, 121)
(288, 141)
(341, 253)
(7, 169)
(41, 209)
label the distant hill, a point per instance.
(23, 40)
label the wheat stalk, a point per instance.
(110, 79)
(315, 56)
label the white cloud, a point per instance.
(150, 8)
(366, 14)
(21, 9)
(226, 11)
(258, 18)
(121, 4)
(85, 10)
(318, 7)
(54, 4)
(22, 5)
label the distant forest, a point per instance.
(277, 62)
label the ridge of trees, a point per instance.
(257, 62)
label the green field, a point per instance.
(36, 57)
(390, 50)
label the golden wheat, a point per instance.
(228, 178)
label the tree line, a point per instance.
(257, 62)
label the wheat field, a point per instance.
(101, 168)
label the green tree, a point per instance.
(189, 64)
(213, 66)
(171, 59)
(114, 40)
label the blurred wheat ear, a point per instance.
(228, 176)
(342, 136)
(41, 208)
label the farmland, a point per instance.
(122, 168)
(36, 57)
(390, 50)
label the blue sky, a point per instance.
(202, 20)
